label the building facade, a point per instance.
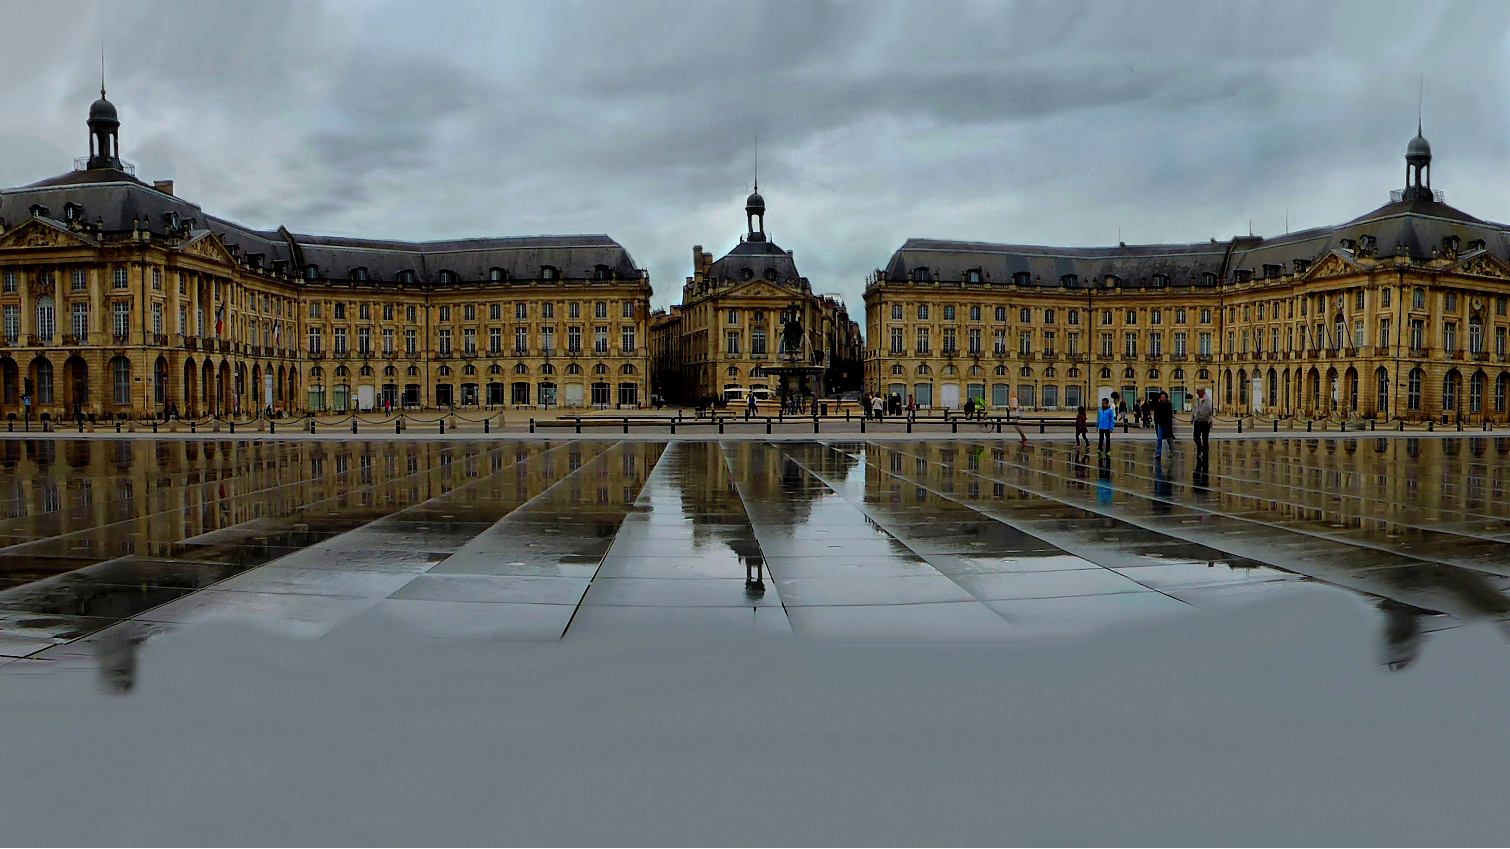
(120, 299)
(1401, 312)
(747, 313)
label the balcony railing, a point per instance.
(73, 341)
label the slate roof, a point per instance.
(758, 257)
(117, 201)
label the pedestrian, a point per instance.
(894, 403)
(912, 408)
(1014, 411)
(1121, 412)
(969, 407)
(1082, 435)
(878, 406)
(1200, 423)
(750, 406)
(1106, 421)
(1163, 424)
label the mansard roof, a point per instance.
(757, 257)
(117, 202)
(1047, 266)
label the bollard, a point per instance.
(442, 425)
(532, 425)
(485, 421)
(353, 424)
(272, 426)
(1400, 425)
(311, 424)
(1239, 424)
(233, 426)
(1370, 425)
(117, 426)
(815, 424)
(154, 427)
(626, 425)
(1124, 427)
(81, 426)
(1344, 425)
(768, 425)
(1308, 425)
(673, 424)
(1460, 425)
(953, 425)
(1431, 425)
(1276, 425)
(909, 424)
(862, 424)
(720, 427)
(1041, 427)
(191, 427)
(579, 424)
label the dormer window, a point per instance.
(311, 272)
(1450, 244)
(1160, 281)
(406, 276)
(74, 212)
(771, 275)
(601, 272)
(359, 274)
(1243, 275)
(548, 272)
(972, 276)
(496, 275)
(1272, 270)
(920, 275)
(38, 210)
(1476, 244)
(1022, 278)
(1208, 278)
(1348, 244)
(1301, 265)
(255, 260)
(1110, 281)
(447, 276)
(1366, 244)
(747, 274)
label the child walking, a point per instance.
(1082, 436)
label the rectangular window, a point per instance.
(1499, 341)
(896, 340)
(924, 344)
(573, 310)
(495, 312)
(949, 313)
(79, 280)
(1450, 336)
(1048, 343)
(548, 310)
(521, 340)
(12, 323)
(731, 343)
(1205, 316)
(1179, 316)
(1073, 344)
(1179, 344)
(445, 313)
(122, 314)
(1156, 344)
(1129, 345)
(340, 311)
(314, 340)
(411, 314)
(388, 341)
(314, 309)
(157, 279)
(600, 309)
(733, 316)
(340, 342)
(975, 313)
(495, 340)
(1106, 345)
(975, 340)
(81, 323)
(10, 283)
(468, 340)
(758, 342)
(949, 343)
(411, 342)
(574, 339)
(628, 310)
(1025, 315)
(1025, 342)
(896, 312)
(1417, 334)
(1001, 313)
(387, 312)
(600, 340)
(364, 312)
(157, 317)
(626, 339)
(1205, 345)
(445, 340)
(118, 278)
(1156, 316)
(468, 312)
(922, 312)
(1384, 332)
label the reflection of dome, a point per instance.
(102, 110)
(755, 201)
(1418, 146)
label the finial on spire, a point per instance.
(102, 67)
(1420, 104)
(757, 162)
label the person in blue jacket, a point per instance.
(1106, 420)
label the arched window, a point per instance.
(469, 369)
(521, 369)
(920, 275)
(1476, 392)
(1106, 373)
(342, 371)
(923, 368)
(46, 317)
(413, 371)
(120, 374)
(600, 368)
(495, 369)
(1001, 371)
(390, 371)
(897, 369)
(44, 381)
(1451, 384)
(1128, 373)
(547, 368)
(1381, 391)
(445, 371)
(573, 368)
(366, 371)
(628, 368)
(1026, 371)
(1413, 390)
(1501, 391)
(316, 372)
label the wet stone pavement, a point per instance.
(104, 543)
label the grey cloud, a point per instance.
(1055, 123)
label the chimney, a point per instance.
(164, 186)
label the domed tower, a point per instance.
(755, 215)
(1418, 168)
(104, 134)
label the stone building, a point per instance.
(1398, 313)
(120, 298)
(734, 319)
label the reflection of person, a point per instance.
(116, 652)
(1200, 422)
(754, 580)
(1106, 421)
(1104, 479)
(1402, 634)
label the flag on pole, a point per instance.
(220, 319)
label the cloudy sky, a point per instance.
(1047, 123)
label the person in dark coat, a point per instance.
(1163, 424)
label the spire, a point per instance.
(102, 68)
(757, 163)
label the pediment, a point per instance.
(205, 243)
(1481, 264)
(761, 289)
(42, 233)
(1334, 265)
